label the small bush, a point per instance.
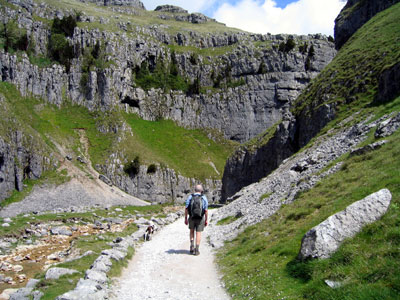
(64, 26)
(151, 169)
(311, 51)
(14, 38)
(161, 76)
(262, 69)
(60, 50)
(288, 46)
(303, 48)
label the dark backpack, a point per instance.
(196, 210)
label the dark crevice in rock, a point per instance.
(131, 102)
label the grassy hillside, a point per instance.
(189, 152)
(261, 262)
(141, 18)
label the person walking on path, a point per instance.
(197, 209)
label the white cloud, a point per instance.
(300, 17)
(191, 6)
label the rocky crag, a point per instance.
(296, 174)
(311, 112)
(234, 82)
(354, 15)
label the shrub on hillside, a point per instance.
(288, 46)
(14, 38)
(132, 168)
(151, 169)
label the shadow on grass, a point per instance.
(300, 269)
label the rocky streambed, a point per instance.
(38, 246)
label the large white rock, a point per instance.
(324, 239)
(55, 273)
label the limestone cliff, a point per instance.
(233, 82)
(319, 104)
(355, 14)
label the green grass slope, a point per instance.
(140, 18)
(261, 262)
(189, 152)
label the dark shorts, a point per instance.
(197, 224)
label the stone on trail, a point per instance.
(55, 273)
(324, 239)
(21, 294)
(61, 231)
(96, 276)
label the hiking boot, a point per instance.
(196, 251)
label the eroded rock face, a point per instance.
(18, 161)
(132, 3)
(171, 9)
(164, 185)
(389, 84)
(354, 15)
(324, 239)
(265, 81)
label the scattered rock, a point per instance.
(32, 283)
(114, 254)
(96, 276)
(17, 268)
(5, 225)
(105, 179)
(21, 294)
(324, 239)
(81, 160)
(7, 293)
(368, 148)
(55, 273)
(61, 231)
(388, 127)
(333, 284)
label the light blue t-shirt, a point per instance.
(203, 197)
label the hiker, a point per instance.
(197, 208)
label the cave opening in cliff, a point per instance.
(131, 102)
(1, 161)
(27, 172)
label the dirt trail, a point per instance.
(163, 269)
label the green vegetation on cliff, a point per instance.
(261, 263)
(189, 152)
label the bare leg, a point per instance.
(198, 238)
(191, 240)
(191, 234)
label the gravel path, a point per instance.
(163, 269)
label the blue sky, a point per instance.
(266, 16)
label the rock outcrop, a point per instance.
(354, 15)
(296, 174)
(171, 9)
(162, 186)
(131, 3)
(250, 84)
(19, 160)
(251, 163)
(389, 84)
(324, 239)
